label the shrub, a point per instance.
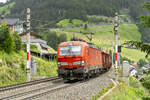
(146, 82)
(17, 41)
(6, 40)
(141, 63)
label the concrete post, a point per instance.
(125, 72)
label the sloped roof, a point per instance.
(11, 21)
(31, 33)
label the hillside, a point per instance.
(6, 9)
(53, 11)
(103, 37)
(13, 68)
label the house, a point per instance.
(15, 24)
(35, 39)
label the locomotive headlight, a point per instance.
(64, 63)
(77, 63)
(59, 64)
(83, 63)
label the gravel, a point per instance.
(82, 91)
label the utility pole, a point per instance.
(28, 46)
(116, 24)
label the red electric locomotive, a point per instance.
(78, 60)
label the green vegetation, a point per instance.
(57, 13)
(64, 23)
(103, 37)
(46, 68)
(146, 82)
(133, 54)
(133, 92)
(13, 59)
(51, 50)
(72, 23)
(126, 31)
(142, 62)
(54, 39)
(32, 48)
(102, 92)
(6, 9)
(99, 19)
(13, 68)
(54, 11)
(7, 44)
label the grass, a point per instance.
(13, 69)
(46, 68)
(32, 48)
(67, 23)
(104, 37)
(133, 92)
(51, 50)
(102, 92)
(132, 54)
(126, 32)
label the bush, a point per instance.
(124, 59)
(17, 41)
(53, 39)
(141, 63)
(6, 40)
(33, 48)
(146, 82)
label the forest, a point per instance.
(52, 11)
(45, 14)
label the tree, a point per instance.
(17, 41)
(144, 47)
(62, 38)
(145, 20)
(52, 39)
(6, 40)
(85, 26)
(141, 63)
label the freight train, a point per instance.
(81, 60)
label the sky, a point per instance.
(3, 1)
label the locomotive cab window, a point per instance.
(70, 50)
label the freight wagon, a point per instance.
(80, 60)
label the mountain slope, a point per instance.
(51, 11)
(13, 68)
(103, 37)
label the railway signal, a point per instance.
(28, 45)
(116, 25)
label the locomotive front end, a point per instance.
(70, 60)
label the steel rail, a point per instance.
(11, 87)
(51, 91)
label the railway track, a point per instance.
(11, 87)
(63, 86)
(56, 87)
(36, 93)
